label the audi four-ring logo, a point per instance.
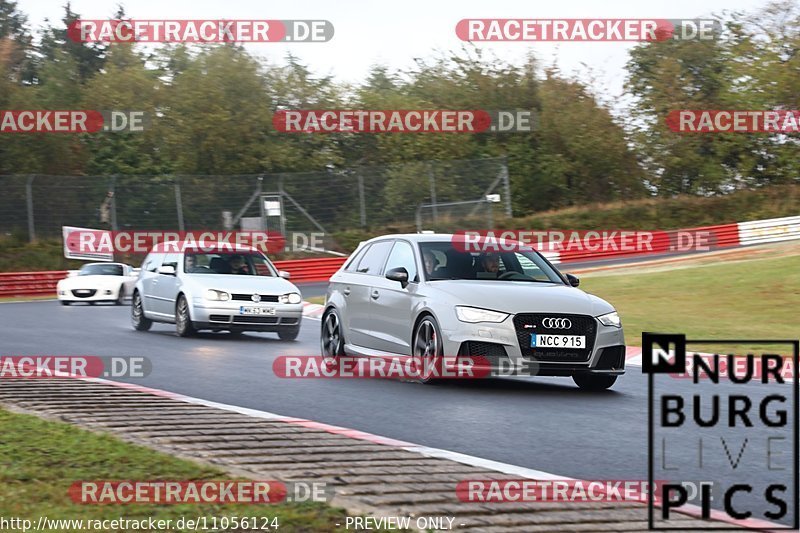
(557, 323)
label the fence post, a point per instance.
(506, 187)
(113, 190)
(362, 205)
(433, 190)
(282, 194)
(29, 202)
(179, 203)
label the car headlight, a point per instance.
(475, 314)
(217, 296)
(291, 298)
(610, 319)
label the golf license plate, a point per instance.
(256, 310)
(557, 341)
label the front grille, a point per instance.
(249, 297)
(219, 318)
(490, 351)
(255, 319)
(83, 293)
(528, 323)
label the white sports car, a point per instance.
(98, 282)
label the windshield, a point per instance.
(443, 260)
(242, 264)
(100, 270)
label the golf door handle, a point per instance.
(375, 294)
(346, 291)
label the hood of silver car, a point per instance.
(241, 284)
(521, 297)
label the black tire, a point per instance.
(331, 337)
(64, 302)
(289, 334)
(139, 321)
(121, 297)
(427, 348)
(594, 382)
(183, 320)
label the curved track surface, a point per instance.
(541, 423)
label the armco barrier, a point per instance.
(773, 230)
(44, 283)
(704, 238)
(30, 283)
(320, 269)
(306, 270)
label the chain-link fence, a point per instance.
(330, 201)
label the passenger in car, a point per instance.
(430, 262)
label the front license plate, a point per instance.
(557, 341)
(256, 310)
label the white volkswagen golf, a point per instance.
(235, 289)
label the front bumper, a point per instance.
(109, 294)
(497, 347)
(227, 316)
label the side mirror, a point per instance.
(167, 270)
(399, 274)
(284, 274)
(573, 280)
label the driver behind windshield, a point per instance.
(238, 265)
(491, 263)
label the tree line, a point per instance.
(212, 106)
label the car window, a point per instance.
(151, 263)
(403, 256)
(453, 262)
(353, 263)
(374, 258)
(529, 268)
(170, 260)
(101, 270)
(232, 263)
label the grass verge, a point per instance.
(40, 459)
(736, 300)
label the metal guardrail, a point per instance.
(316, 270)
(44, 283)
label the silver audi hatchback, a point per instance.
(433, 295)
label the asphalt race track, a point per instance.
(546, 424)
